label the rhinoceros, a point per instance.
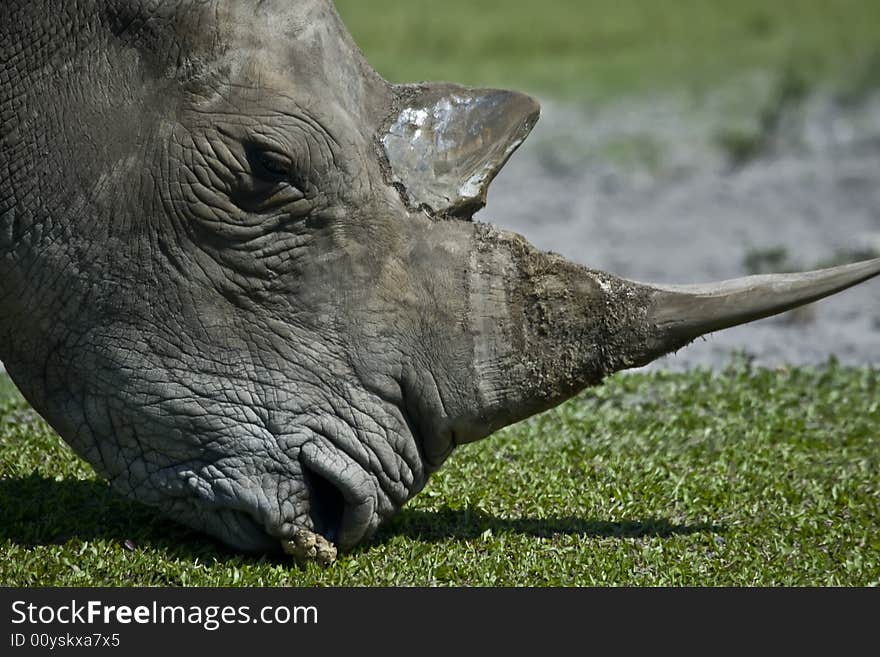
(240, 275)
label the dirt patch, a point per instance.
(651, 189)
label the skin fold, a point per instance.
(239, 275)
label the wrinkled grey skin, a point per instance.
(238, 275)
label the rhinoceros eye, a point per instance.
(270, 166)
(271, 180)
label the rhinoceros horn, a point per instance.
(683, 313)
(446, 143)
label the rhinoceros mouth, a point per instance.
(334, 498)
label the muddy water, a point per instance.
(645, 190)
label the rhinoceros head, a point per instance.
(239, 275)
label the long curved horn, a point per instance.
(683, 313)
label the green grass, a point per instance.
(601, 48)
(747, 477)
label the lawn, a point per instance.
(743, 477)
(604, 48)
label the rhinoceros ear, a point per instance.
(445, 144)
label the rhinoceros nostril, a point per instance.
(343, 495)
(326, 504)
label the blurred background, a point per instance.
(682, 141)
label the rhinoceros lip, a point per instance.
(340, 506)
